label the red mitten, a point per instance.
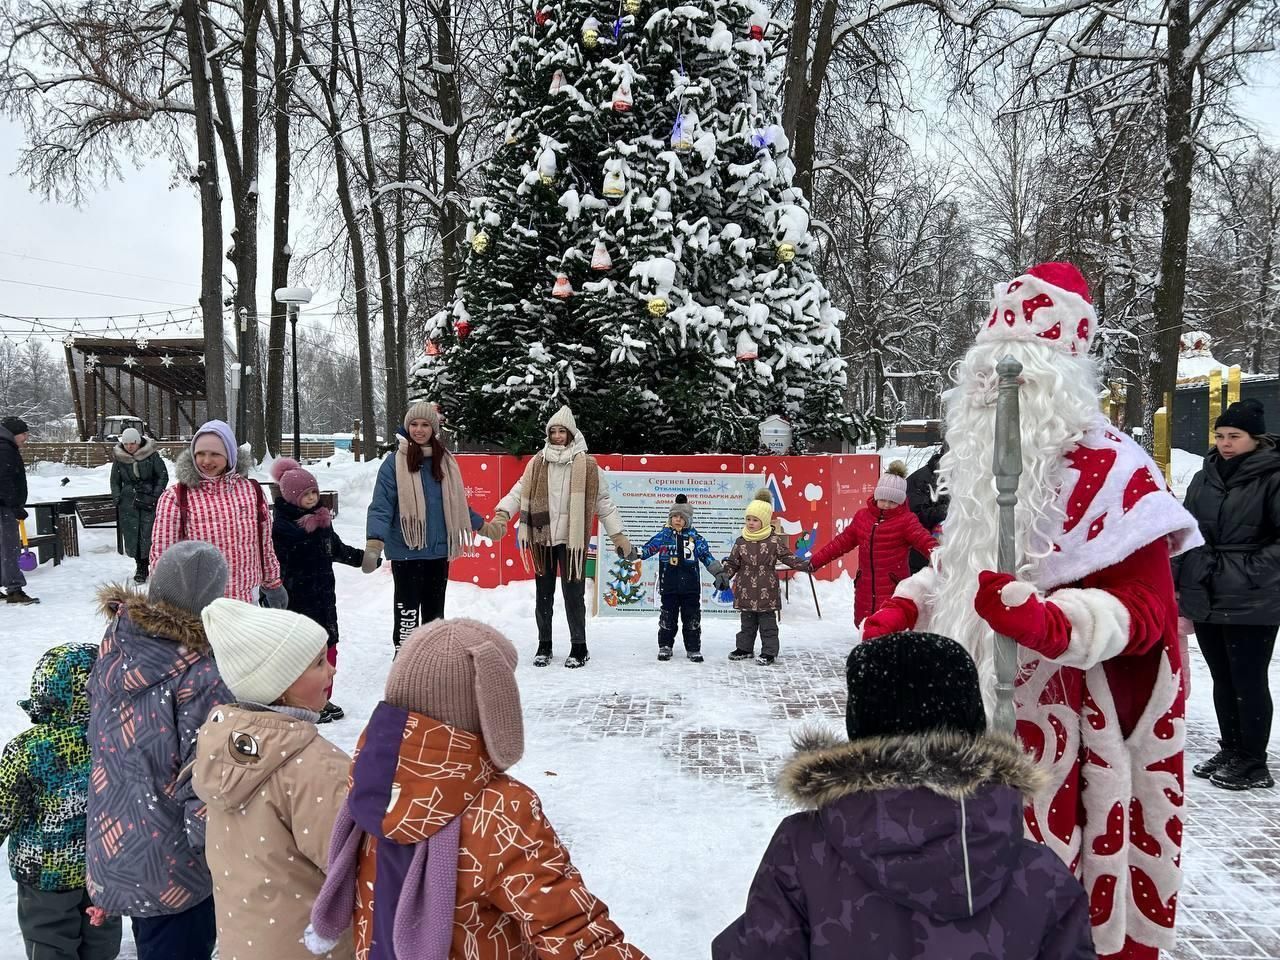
(896, 615)
(1012, 607)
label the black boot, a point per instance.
(141, 572)
(1243, 773)
(577, 657)
(18, 595)
(543, 657)
(1207, 768)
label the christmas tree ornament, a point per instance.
(746, 347)
(462, 328)
(617, 28)
(632, 6)
(557, 81)
(658, 307)
(785, 252)
(432, 349)
(600, 259)
(622, 98)
(547, 166)
(590, 32)
(758, 22)
(563, 289)
(682, 134)
(541, 17)
(615, 181)
(513, 130)
(480, 242)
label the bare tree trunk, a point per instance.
(402, 173)
(803, 143)
(247, 229)
(193, 12)
(796, 84)
(451, 117)
(1171, 290)
(285, 65)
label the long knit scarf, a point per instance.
(413, 503)
(536, 527)
(423, 925)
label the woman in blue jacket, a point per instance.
(420, 518)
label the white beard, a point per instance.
(1058, 401)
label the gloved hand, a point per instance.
(372, 556)
(896, 615)
(722, 581)
(1014, 608)
(501, 516)
(494, 529)
(624, 548)
(20, 514)
(277, 598)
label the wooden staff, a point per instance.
(1007, 466)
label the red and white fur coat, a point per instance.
(1098, 700)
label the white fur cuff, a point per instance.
(317, 944)
(919, 588)
(1016, 592)
(1099, 626)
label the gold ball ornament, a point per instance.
(480, 242)
(786, 252)
(658, 307)
(547, 180)
(632, 6)
(590, 38)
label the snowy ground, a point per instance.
(659, 776)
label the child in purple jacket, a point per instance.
(911, 841)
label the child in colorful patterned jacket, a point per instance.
(44, 790)
(680, 549)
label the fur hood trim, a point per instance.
(953, 765)
(184, 467)
(122, 455)
(156, 619)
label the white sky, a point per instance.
(134, 247)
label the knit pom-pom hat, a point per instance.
(294, 482)
(462, 672)
(423, 410)
(682, 508)
(761, 507)
(893, 484)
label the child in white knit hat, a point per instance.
(273, 785)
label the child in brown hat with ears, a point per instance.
(439, 853)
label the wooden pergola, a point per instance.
(161, 382)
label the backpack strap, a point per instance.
(260, 507)
(182, 511)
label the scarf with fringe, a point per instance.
(536, 528)
(413, 503)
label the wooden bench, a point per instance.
(98, 510)
(45, 523)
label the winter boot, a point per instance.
(577, 657)
(543, 656)
(664, 653)
(695, 656)
(741, 655)
(17, 595)
(331, 712)
(141, 573)
(765, 659)
(1207, 768)
(1243, 773)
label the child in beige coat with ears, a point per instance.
(273, 785)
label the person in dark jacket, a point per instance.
(13, 502)
(1230, 589)
(927, 504)
(680, 548)
(911, 844)
(138, 477)
(307, 547)
(885, 530)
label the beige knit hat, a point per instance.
(260, 652)
(424, 410)
(462, 672)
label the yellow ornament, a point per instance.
(786, 252)
(590, 38)
(658, 307)
(547, 181)
(632, 6)
(480, 242)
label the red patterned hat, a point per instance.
(1049, 302)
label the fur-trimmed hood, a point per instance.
(933, 822)
(158, 620)
(184, 467)
(953, 765)
(122, 455)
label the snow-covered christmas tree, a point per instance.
(639, 251)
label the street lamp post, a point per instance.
(293, 298)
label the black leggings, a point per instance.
(1238, 656)
(419, 594)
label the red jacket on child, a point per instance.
(889, 536)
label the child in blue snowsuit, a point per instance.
(680, 549)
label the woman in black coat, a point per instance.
(138, 477)
(1230, 589)
(307, 547)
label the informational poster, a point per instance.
(644, 499)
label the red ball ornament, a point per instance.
(463, 329)
(757, 32)
(541, 18)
